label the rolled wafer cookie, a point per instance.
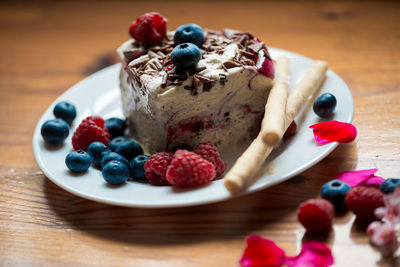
(247, 165)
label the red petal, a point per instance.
(313, 254)
(261, 252)
(361, 177)
(334, 131)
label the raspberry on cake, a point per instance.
(220, 100)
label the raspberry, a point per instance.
(90, 130)
(291, 130)
(149, 28)
(363, 201)
(189, 169)
(316, 215)
(209, 152)
(156, 167)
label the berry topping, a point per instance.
(185, 56)
(55, 131)
(64, 110)
(189, 169)
(116, 127)
(363, 201)
(316, 215)
(115, 142)
(156, 167)
(90, 130)
(97, 151)
(149, 28)
(291, 130)
(113, 156)
(137, 167)
(78, 161)
(209, 152)
(389, 185)
(189, 33)
(129, 149)
(115, 172)
(335, 191)
(324, 105)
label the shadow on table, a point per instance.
(269, 212)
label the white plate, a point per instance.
(99, 94)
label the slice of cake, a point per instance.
(220, 100)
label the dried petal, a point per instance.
(313, 254)
(262, 252)
(354, 178)
(373, 181)
(334, 131)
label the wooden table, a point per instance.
(47, 47)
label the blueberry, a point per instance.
(115, 172)
(335, 191)
(189, 33)
(185, 56)
(116, 127)
(324, 105)
(115, 142)
(113, 156)
(96, 151)
(78, 161)
(129, 149)
(137, 166)
(55, 131)
(64, 110)
(389, 185)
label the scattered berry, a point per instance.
(324, 105)
(189, 169)
(291, 130)
(115, 142)
(78, 161)
(185, 56)
(209, 152)
(115, 126)
(90, 130)
(129, 149)
(55, 131)
(97, 151)
(137, 166)
(335, 191)
(389, 185)
(115, 172)
(363, 201)
(156, 167)
(149, 28)
(316, 215)
(189, 33)
(113, 156)
(66, 111)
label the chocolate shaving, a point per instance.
(247, 54)
(243, 39)
(230, 34)
(231, 64)
(248, 62)
(152, 54)
(255, 47)
(139, 61)
(222, 78)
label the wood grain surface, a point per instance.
(46, 47)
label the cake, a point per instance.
(221, 100)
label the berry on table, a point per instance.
(90, 130)
(189, 169)
(78, 161)
(335, 191)
(291, 130)
(115, 142)
(96, 151)
(129, 149)
(189, 33)
(113, 156)
(316, 215)
(115, 172)
(209, 152)
(149, 28)
(64, 110)
(137, 166)
(185, 56)
(324, 105)
(389, 185)
(54, 131)
(115, 126)
(156, 167)
(363, 201)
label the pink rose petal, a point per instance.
(373, 181)
(334, 131)
(313, 254)
(261, 252)
(354, 178)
